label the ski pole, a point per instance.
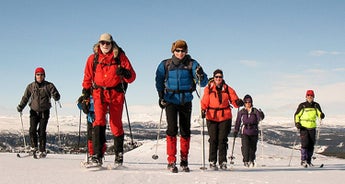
(293, 148)
(203, 167)
(79, 129)
(129, 123)
(232, 151)
(58, 125)
(155, 156)
(317, 138)
(21, 120)
(262, 141)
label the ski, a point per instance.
(115, 166)
(24, 155)
(89, 165)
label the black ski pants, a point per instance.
(182, 113)
(38, 124)
(249, 146)
(218, 138)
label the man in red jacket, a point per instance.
(106, 75)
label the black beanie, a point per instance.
(218, 71)
(248, 98)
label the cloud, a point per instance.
(249, 63)
(323, 52)
(339, 69)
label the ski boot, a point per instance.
(118, 159)
(213, 166)
(42, 154)
(251, 164)
(172, 167)
(96, 161)
(223, 166)
(246, 164)
(304, 164)
(33, 152)
(184, 165)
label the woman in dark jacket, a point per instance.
(249, 117)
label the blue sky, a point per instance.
(273, 50)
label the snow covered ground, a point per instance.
(139, 167)
(273, 161)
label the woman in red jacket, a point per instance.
(107, 73)
(215, 105)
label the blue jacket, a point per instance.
(177, 81)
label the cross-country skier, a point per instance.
(106, 75)
(305, 120)
(249, 117)
(39, 94)
(175, 85)
(215, 106)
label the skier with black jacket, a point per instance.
(38, 94)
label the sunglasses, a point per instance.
(217, 76)
(40, 74)
(104, 43)
(247, 102)
(179, 50)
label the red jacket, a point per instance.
(105, 73)
(215, 110)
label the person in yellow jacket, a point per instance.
(306, 116)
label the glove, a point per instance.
(123, 72)
(239, 102)
(322, 115)
(203, 114)
(84, 100)
(298, 125)
(162, 103)
(19, 109)
(200, 73)
(86, 93)
(235, 134)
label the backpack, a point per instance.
(122, 87)
(168, 65)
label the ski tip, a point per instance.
(18, 155)
(321, 166)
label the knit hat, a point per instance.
(248, 98)
(106, 37)
(310, 93)
(40, 70)
(179, 44)
(217, 71)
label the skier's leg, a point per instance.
(224, 130)
(34, 120)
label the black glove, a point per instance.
(322, 115)
(84, 100)
(239, 102)
(298, 125)
(123, 72)
(86, 93)
(162, 103)
(203, 114)
(235, 134)
(19, 109)
(200, 73)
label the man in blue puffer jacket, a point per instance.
(176, 79)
